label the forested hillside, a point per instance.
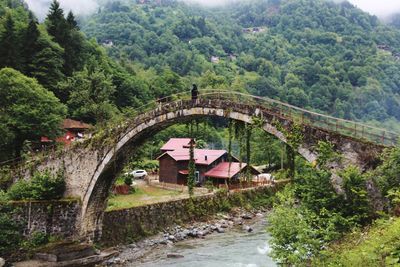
(332, 58)
(50, 70)
(329, 57)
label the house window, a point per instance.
(197, 177)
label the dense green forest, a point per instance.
(50, 70)
(332, 58)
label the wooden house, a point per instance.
(210, 164)
(174, 164)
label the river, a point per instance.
(234, 248)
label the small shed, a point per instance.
(230, 172)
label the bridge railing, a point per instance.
(302, 116)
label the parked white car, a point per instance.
(138, 174)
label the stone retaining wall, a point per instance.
(128, 225)
(51, 217)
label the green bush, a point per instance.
(357, 207)
(37, 239)
(20, 190)
(42, 186)
(3, 196)
(309, 213)
(387, 175)
(10, 236)
(209, 185)
(128, 180)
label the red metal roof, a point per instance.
(176, 143)
(73, 124)
(45, 139)
(223, 170)
(201, 156)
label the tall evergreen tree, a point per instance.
(71, 21)
(30, 45)
(9, 45)
(73, 47)
(56, 23)
(73, 52)
(66, 33)
(47, 66)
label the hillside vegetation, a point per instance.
(316, 54)
(332, 58)
(377, 245)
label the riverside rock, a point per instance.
(220, 230)
(133, 245)
(175, 256)
(238, 221)
(247, 228)
(247, 216)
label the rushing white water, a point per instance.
(235, 248)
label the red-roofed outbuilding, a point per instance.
(228, 171)
(73, 130)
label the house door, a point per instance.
(197, 177)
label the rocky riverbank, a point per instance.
(218, 224)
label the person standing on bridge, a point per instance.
(195, 93)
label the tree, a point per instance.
(56, 23)
(30, 45)
(192, 169)
(47, 66)
(66, 33)
(90, 94)
(297, 97)
(28, 111)
(357, 205)
(9, 45)
(73, 56)
(71, 21)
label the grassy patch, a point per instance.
(143, 195)
(378, 245)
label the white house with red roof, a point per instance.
(210, 164)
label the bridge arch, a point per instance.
(94, 199)
(103, 176)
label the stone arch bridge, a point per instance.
(91, 167)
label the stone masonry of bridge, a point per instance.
(90, 169)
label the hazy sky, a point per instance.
(378, 7)
(40, 7)
(81, 7)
